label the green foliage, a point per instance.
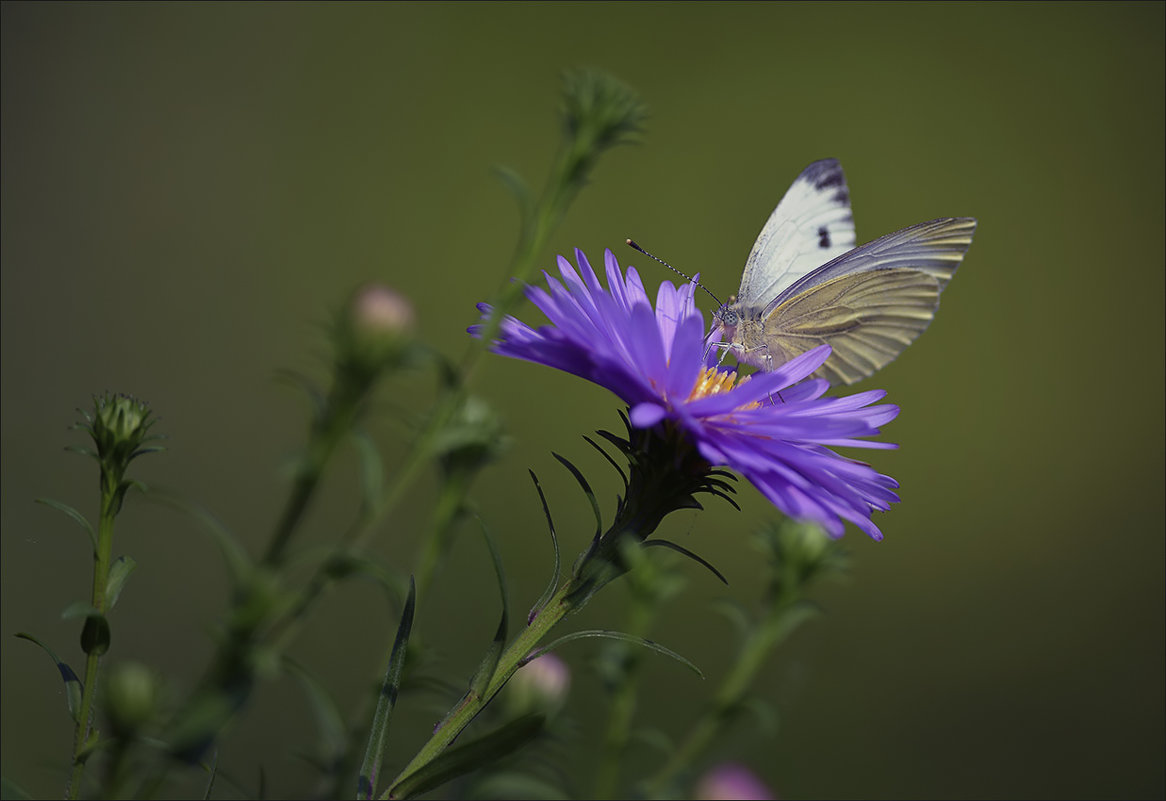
(72, 683)
(157, 731)
(366, 781)
(469, 757)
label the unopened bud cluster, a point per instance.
(120, 427)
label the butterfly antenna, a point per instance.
(634, 246)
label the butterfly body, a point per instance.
(805, 284)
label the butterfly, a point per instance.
(805, 284)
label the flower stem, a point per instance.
(754, 651)
(326, 433)
(621, 714)
(558, 607)
(101, 562)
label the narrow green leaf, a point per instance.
(119, 571)
(620, 444)
(72, 683)
(791, 617)
(586, 490)
(765, 714)
(464, 758)
(656, 739)
(90, 746)
(372, 474)
(341, 563)
(721, 494)
(518, 188)
(610, 461)
(333, 733)
(613, 635)
(680, 549)
(297, 380)
(213, 769)
(367, 779)
(10, 789)
(549, 592)
(72, 514)
(78, 609)
(235, 555)
(734, 613)
(489, 662)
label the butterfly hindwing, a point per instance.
(867, 318)
(811, 226)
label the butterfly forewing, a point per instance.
(810, 226)
(935, 248)
(867, 318)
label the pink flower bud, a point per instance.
(730, 781)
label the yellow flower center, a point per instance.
(712, 382)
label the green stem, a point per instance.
(754, 652)
(101, 562)
(326, 433)
(622, 711)
(434, 546)
(471, 704)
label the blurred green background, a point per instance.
(188, 190)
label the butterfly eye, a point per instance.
(727, 316)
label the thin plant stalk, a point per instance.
(512, 658)
(101, 560)
(733, 690)
(622, 709)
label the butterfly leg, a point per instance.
(763, 360)
(723, 347)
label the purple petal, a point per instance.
(646, 415)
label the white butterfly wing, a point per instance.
(810, 226)
(869, 304)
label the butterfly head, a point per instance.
(727, 316)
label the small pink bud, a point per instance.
(731, 782)
(378, 309)
(541, 685)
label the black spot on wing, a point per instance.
(823, 237)
(830, 178)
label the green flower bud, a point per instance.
(599, 111)
(131, 697)
(472, 439)
(120, 427)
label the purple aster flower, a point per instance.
(774, 428)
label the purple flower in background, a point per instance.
(731, 782)
(776, 428)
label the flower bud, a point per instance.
(379, 311)
(131, 695)
(473, 438)
(372, 333)
(119, 425)
(539, 686)
(120, 428)
(729, 781)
